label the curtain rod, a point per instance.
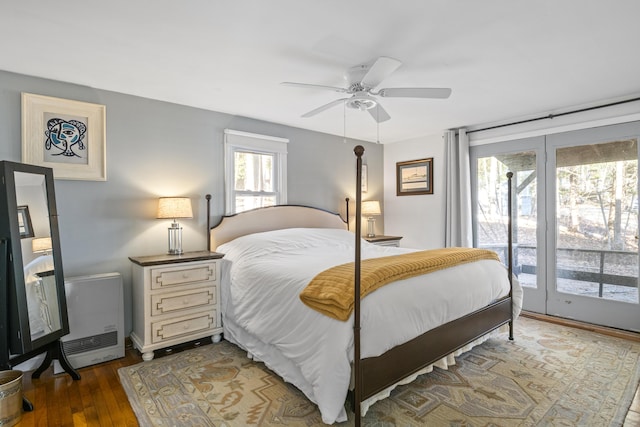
(552, 116)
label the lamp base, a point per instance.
(175, 239)
(370, 227)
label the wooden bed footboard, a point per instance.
(404, 360)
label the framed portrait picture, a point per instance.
(24, 222)
(67, 136)
(414, 177)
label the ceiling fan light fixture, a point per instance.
(362, 102)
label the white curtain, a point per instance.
(458, 230)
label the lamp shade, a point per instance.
(174, 207)
(371, 207)
(41, 244)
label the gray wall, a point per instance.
(161, 149)
(419, 219)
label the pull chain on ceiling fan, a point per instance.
(363, 79)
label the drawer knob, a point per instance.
(185, 275)
(185, 302)
(187, 326)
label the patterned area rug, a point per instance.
(549, 376)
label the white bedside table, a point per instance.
(384, 240)
(176, 298)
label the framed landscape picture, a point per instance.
(414, 177)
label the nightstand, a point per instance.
(176, 298)
(384, 240)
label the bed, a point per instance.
(271, 255)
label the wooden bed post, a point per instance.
(208, 197)
(359, 151)
(346, 201)
(510, 250)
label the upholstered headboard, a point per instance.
(272, 218)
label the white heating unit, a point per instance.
(95, 305)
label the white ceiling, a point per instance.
(504, 59)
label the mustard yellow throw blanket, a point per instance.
(331, 291)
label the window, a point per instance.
(255, 171)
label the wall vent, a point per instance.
(95, 342)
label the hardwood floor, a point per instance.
(632, 336)
(98, 399)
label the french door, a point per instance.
(575, 223)
(489, 167)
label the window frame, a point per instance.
(238, 141)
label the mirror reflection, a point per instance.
(37, 254)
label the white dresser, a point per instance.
(176, 299)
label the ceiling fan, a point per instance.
(362, 80)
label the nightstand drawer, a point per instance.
(394, 243)
(175, 301)
(173, 328)
(171, 276)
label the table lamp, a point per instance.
(41, 245)
(174, 208)
(369, 209)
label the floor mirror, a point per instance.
(34, 306)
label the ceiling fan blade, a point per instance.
(379, 114)
(415, 92)
(311, 86)
(380, 70)
(324, 107)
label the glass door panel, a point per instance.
(597, 221)
(593, 233)
(490, 165)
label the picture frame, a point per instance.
(414, 177)
(65, 135)
(25, 227)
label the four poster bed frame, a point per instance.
(374, 374)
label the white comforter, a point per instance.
(264, 273)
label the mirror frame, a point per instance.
(17, 324)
